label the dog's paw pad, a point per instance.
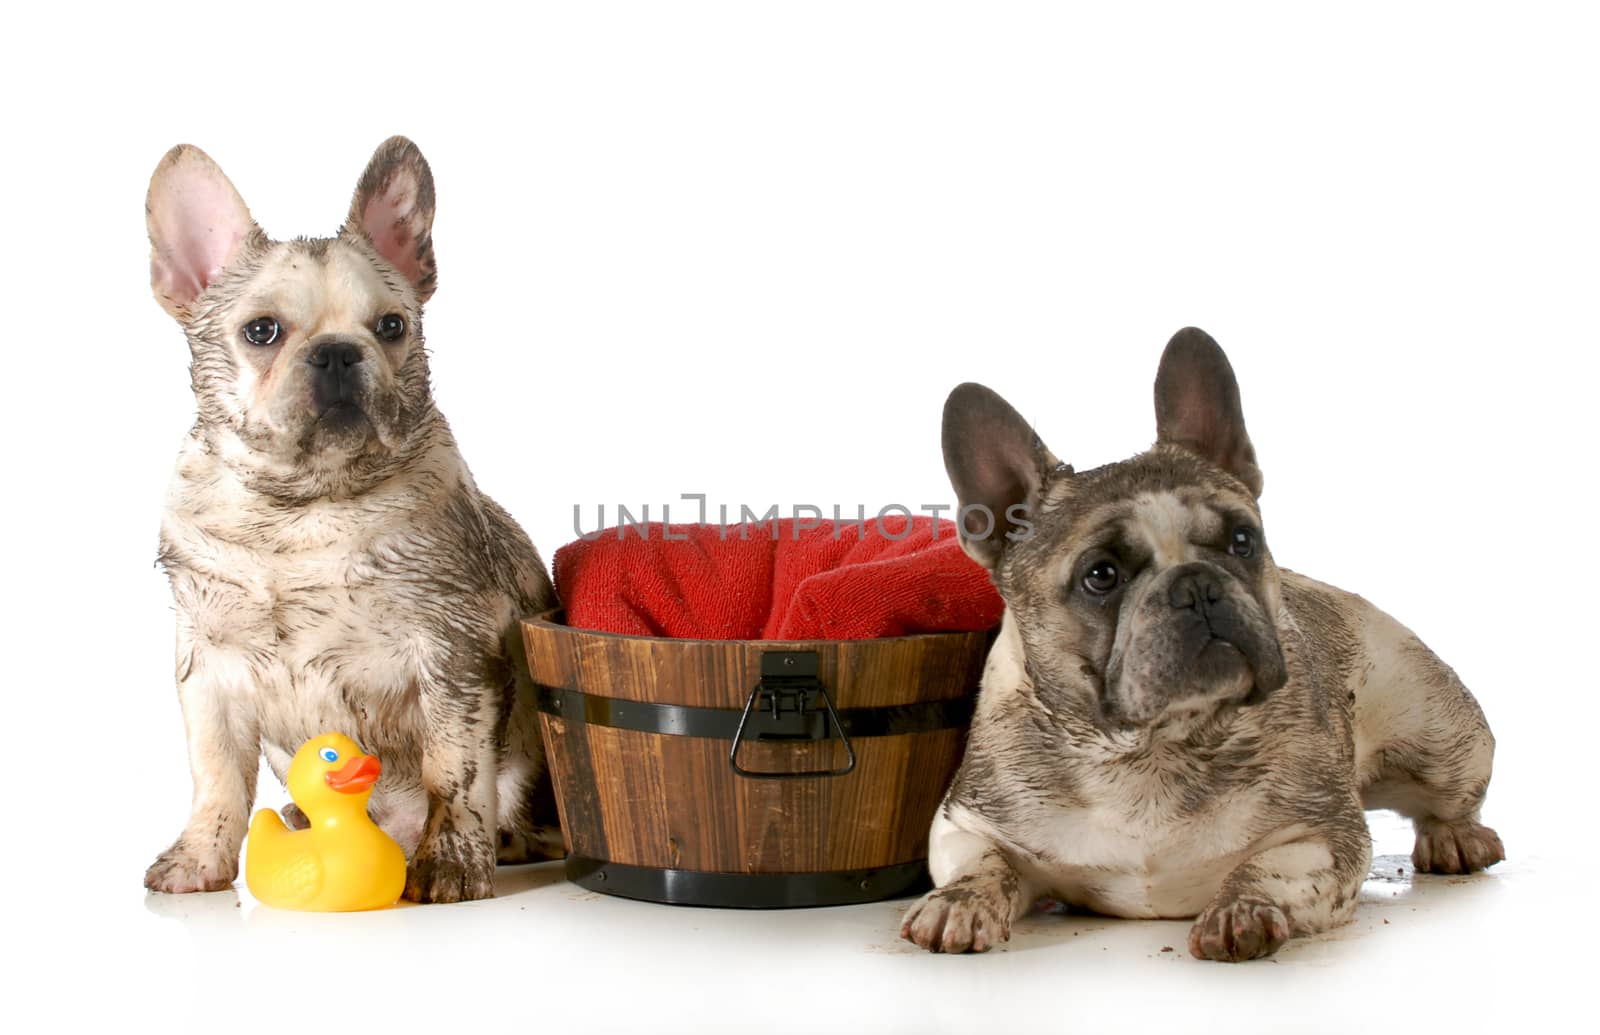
(962, 917)
(1238, 929)
(451, 868)
(1459, 847)
(179, 871)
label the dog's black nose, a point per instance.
(335, 377)
(334, 353)
(1195, 590)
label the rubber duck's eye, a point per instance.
(329, 755)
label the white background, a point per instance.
(745, 250)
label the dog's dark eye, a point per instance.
(263, 330)
(1242, 543)
(1102, 578)
(390, 327)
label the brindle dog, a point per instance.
(1170, 724)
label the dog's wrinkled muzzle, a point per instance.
(1199, 589)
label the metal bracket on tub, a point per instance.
(784, 706)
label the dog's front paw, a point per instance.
(1460, 847)
(180, 870)
(451, 867)
(1238, 929)
(966, 916)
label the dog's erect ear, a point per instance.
(1197, 406)
(996, 465)
(393, 209)
(197, 225)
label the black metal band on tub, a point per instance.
(678, 720)
(747, 890)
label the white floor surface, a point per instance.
(1458, 954)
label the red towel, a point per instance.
(765, 582)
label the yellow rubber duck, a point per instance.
(342, 862)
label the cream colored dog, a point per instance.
(334, 566)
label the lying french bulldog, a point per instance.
(335, 569)
(1169, 724)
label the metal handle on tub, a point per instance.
(783, 706)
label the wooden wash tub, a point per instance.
(750, 773)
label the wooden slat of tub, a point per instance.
(577, 795)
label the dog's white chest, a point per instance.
(332, 622)
(309, 641)
(1096, 859)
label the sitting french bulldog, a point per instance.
(334, 566)
(1169, 724)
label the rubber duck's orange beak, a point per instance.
(355, 775)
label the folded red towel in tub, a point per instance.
(776, 581)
